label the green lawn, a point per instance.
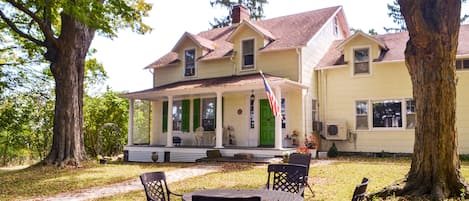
(41, 181)
(335, 181)
(330, 182)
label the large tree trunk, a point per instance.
(430, 58)
(67, 65)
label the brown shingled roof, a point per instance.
(291, 31)
(396, 44)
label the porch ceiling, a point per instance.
(233, 83)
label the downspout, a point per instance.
(324, 93)
(234, 63)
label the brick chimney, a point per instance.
(239, 13)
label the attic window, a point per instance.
(189, 65)
(248, 54)
(361, 61)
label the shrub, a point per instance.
(333, 152)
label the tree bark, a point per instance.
(67, 66)
(430, 56)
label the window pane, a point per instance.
(208, 114)
(465, 64)
(387, 114)
(248, 60)
(362, 107)
(360, 68)
(459, 64)
(177, 115)
(283, 113)
(411, 121)
(361, 55)
(248, 47)
(362, 122)
(189, 69)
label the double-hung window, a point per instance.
(247, 54)
(361, 112)
(208, 113)
(410, 112)
(361, 61)
(177, 115)
(189, 62)
(462, 64)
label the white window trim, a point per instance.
(463, 69)
(370, 61)
(184, 62)
(241, 55)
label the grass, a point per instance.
(335, 181)
(38, 181)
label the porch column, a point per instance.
(169, 133)
(278, 121)
(219, 126)
(130, 131)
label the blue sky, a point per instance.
(125, 56)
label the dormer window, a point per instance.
(189, 62)
(248, 54)
(361, 61)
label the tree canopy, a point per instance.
(58, 33)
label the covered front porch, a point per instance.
(185, 118)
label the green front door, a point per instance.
(267, 124)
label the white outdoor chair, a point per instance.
(198, 135)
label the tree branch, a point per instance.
(48, 33)
(18, 31)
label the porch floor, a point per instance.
(185, 153)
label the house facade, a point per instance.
(364, 84)
(351, 90)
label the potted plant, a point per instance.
(294, 138)
(310, 143)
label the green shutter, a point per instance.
(165, 116)
(196, 114)
(186, 105)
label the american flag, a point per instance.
(274, 106)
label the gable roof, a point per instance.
(265, 33)
(199, 41)
(286, 32)
(395, 43)
(362, 34)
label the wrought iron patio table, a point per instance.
(266, 195)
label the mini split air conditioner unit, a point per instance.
(336, 130)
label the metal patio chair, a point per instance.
(156, 187)
(360, 190)
(302, 159)
(287, 177)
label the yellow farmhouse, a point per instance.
(351, 90)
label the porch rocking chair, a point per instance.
(156, 187)
(198, 135)
(286, 177)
